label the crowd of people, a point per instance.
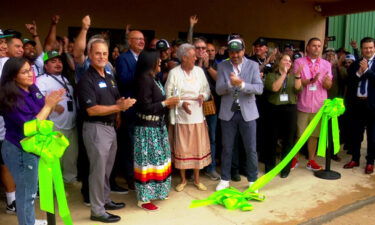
(148, 107)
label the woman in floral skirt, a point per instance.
(152, 155)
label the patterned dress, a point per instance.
(152, 160)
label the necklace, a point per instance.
(160, 87)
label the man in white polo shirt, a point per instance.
(64, 115)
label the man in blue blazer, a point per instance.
(360, 103)
(125, 70)
(238, 83)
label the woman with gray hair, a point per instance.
(188, 130)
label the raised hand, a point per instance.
(353, 43)
(31, 27)
(193, 20)
(127, 28)
(55, 19)
(86, 22)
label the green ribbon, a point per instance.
(231, 198)
(50, 145)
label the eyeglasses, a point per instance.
(26, 72)
(200, 48)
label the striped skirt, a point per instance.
(190, 145)
(152, 163)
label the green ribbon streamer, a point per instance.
(231, 198)
(50, 145)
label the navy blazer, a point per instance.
(125, 69)
(353, 82)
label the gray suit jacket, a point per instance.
(253, 86)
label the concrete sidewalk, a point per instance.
(293, 200)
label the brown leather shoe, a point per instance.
(351, 164)
(369, 169)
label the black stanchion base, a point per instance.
(327, 174)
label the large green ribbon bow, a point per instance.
(41, 140)
(331, 109)
(230, 198)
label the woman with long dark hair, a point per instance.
(152, 155)
(21, 101)
(282, 88)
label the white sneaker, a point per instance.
(40, 222)
(250, 184)
(222, 185)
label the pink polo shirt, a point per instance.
(311, 98)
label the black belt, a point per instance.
(111, 124)
(362, 98)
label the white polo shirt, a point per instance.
(46, 85)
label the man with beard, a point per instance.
(64, 114)
(33, 51)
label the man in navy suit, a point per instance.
(238, 83)
(125, 69)
(360, 102)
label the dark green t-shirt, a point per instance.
(287, 88)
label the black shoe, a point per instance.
(236, 177)
(11, 209)
(106, 218)
(119, 190)
(284, 174)
(114, 205)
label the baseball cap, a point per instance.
(162, 45)
(260, 41)
(330, 50)
(235, 45)
(296, 55)
(2, 35)
(350, 57)
(13, 33)
(28, 41)
(50, 55)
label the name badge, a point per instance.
(284, 98)
(313, 87)
(102, 84)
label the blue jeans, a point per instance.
(247, 131)
(212, 123)
(24, 168)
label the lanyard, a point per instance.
(64, 85)
(285, 83)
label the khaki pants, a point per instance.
(303, 120)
